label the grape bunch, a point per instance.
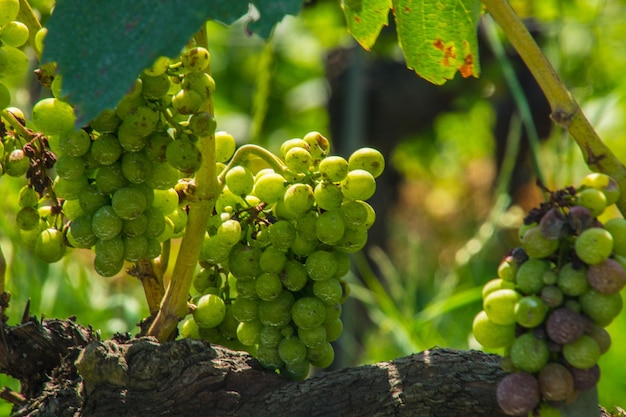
(276, 251)
(554, 296)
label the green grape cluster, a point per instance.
(277, 250)
(554, 296)
(13, 36)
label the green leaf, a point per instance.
(365, 19)
(438, 37)
(271, 13)
(101, 46)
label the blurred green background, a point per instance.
(449, 212)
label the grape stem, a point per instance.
(174, 305)
(245, 152)
(565, 110)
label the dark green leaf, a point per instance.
(271, 13)
(365, 19)
(438, 37)
(101, 46)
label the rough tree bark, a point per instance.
(67, 371)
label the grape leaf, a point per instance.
(438, 37)
(365, 19)
(271, 13)
(101, 46)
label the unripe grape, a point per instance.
(106, 121)
(70, 167)
(111, 250)
(27, 218)
(358, 185)
(368, 159)
(354, 213)
(53, 116)
(319, 146)
(5, 94)
(270, 336)
(537, 245)
(109, 178)
(329, 291)
(224, 146)
(92, 198)
(106, 224)
(158, 67)
(75, 143)
(604, 183)
(530, 311)
(321, 356)
(321, 265)
(292, 350)
(312, 337)
(28, 197)
(328, 196)
(573, 282)
(14, 34)
(289, 144)
(229, 233)
(299, 198)
(564, 326)
(156, 222)
(334, 329)
(298, 159)
(500, 306)
(617, 228)
(273, 260)
(202, 124)
(249, 333)
(136, 226)
(106, 149)
(156, 146)
(107, 267)
(200, 82)
(50, 245)
(268, 357)
(330, 227)
(556, 382)
(293, 276)
(165, 200)
(607, 277)
(599, 334)
(308, 312)
(529, 354)
(276, 312)
(601, 308)
(594, 245)
(239, 180)
(186, 101)
(16, 163)
(593, 199)
(334, 168)
(183, 155)
(82, 232)
(8, 11)
(196, 59)
(210, 311)
(270, 187)
(268, 286)
(154, 86)
(244, 262)
(17, 64)
(552, 296)
(582, 353)
(135, 248)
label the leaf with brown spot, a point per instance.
(365, 19)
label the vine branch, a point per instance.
(565, 110)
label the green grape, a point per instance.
(156, 146)
(91, 199)
(272, 260)
(110, 177)
(106, 121)
(228, 202)
(604, 183)
(312, 337)
(8, 11)
(592, 199)
(136, 167)
(268, 357)
(106, 224)
(202, 124)
(200, 82)
(244, 289)
(343, 264)
(500, 306)
(4, 61)
(367, 159)
(358, 185)
(153, 87)
(270, 187)
(282, 234)
(16, 163)
(70, 167)
(210, 311)
(5, 96)
(183, 155)
(154, 248)
(329, 291)
(189, 329)
(165, 200)
(131, 101)
(529, 276)
(298, 159)
(129, 139)
(69, 190)
(536, 245)
(583, 353)
(292, 350)
(319, 146)
(106, 149)
(53, 116)
(213, 251)
(27, 218)
(179, 219)
(276, 312)
(244, 262)
(158, 67)
(268, 286)
(186, 101)
(128, 203)
(28, 197)
(353, 240)
(529, 354)
(135, 248)
(239, 180)
(321, 265)
(136, 226)
(156, 222)
(594, 245)
(334, 168)
(229, 233)
(334, 329)
(321, 356)
(601, 308)
(14, 34)
(289, 144)
(249, 333)
(305, 225)
(294, 276)
(330, 227)
(354, 213)
(50, 245)
(308, 312)
(76, 143)
(303, 247)
(225, 147)
(141, 121)
(162, 176)
(270, 336)
(107, 267)
(617, 228)
(196, 59)
(496, 284)
(530, 311)
(328, 196)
